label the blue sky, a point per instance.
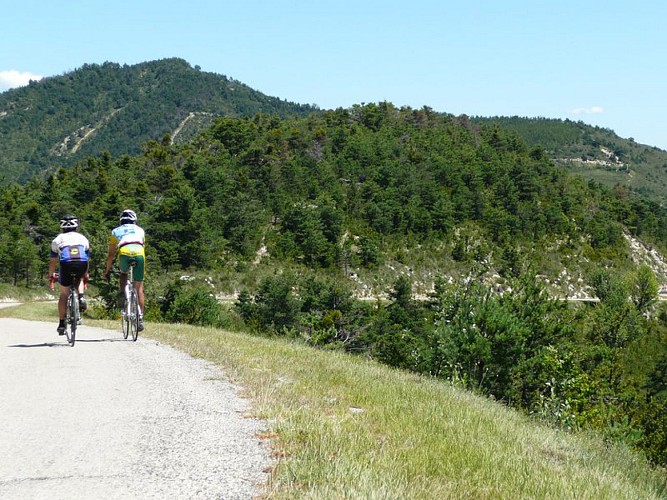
(601, 62)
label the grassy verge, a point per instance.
(345, 427)
(9, 293)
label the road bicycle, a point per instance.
(72, 314)
(129, 313)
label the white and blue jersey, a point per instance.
(70, 247)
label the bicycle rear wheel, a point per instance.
(134, 315)
(72, 316)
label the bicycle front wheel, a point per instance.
(125, 318)
(125, 314)
(72, 316)
(134, 315)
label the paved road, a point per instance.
(110, 418)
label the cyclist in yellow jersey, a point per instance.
(128, 241)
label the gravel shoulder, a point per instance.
(110, 418)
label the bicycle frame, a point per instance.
(72, 314)
(130, 311)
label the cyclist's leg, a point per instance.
(62, 301)
(83, 305)
(81, 268)
(62, 308)
(65, 281)
(139, 287)
(124, 266)
(122, 281)
(138, 277)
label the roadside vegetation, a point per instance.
(426, 242)
(342, 426)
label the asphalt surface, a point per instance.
(115, 419)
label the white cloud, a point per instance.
(12, 78)
(593, 110)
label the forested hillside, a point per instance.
(64, 119)
(594, 153)
(298, 218)
(60, 120)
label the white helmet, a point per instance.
(69, 222)
(128, 217)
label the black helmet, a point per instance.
(69, 222)
(128, 217)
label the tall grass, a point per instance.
(346, 427)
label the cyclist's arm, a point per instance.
(53, 261)
(54, 257)
(110, 256)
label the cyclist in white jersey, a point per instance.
(70, 249)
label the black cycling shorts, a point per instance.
(79, 268)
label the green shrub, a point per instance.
(192, 303)
(654, 439)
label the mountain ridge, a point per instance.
(594, 153)
(64, 119)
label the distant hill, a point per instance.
(593, 152)
(61, 120)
